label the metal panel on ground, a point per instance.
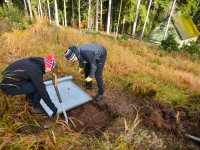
(71, 95)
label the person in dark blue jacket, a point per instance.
(25, 76)
(91, 58)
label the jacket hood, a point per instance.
(76, 51)
(39, 61)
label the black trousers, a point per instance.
(98, 73)
(26, 88)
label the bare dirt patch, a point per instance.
(97, 116)
(176, 120)
(91, 119)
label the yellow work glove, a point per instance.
(88, 79)
(81, 70)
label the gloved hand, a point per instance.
(80, 70)
(88, 79)
(54, 111)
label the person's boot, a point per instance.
(39, 110)
(99, 97)
(88, 85)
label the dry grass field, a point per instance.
(151, 101)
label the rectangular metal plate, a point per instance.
(71, 95)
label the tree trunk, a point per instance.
(97, 14)
(196, 9)
(9, 3)
(49, 11)
(169, 19)
(40, 8)
(65, 14)
(109, 14)
(25, 6)
(123, 25)
(72, 20)
(136, 18)
(56, 13)
(119, 17)
(146, 19)
(89, 15)
(111, 21)
(63, 22)
(101, 23)
(79, 15)
(30, 9)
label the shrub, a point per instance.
(170, 44)
(191, 48)
(12, 16)
(123, 38)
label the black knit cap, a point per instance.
(70, 54)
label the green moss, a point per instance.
(171, 94)
(145, 85)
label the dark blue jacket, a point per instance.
(27, 70)
(89, 53)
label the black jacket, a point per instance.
(28, 70)
(89, 53)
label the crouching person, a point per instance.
(91, 58)
(25, 76)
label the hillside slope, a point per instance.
(151, 99)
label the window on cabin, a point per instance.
(170, 28)
(162, 27)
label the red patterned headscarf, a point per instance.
(49, 61)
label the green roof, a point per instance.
(185, 27)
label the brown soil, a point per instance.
(98, 116)
(165, 119)
(90, 119)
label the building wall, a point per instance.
(188, 41)
(157, 34)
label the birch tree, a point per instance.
(169, 19)
(101, 22)
(89, 15)
(150, 3)
(56, 13)
(9, 3)
(136, 18)
(72, 20)
(25, 6)
(79, 15)
(65, 14)
(40, 8)
(63, 21)
(30, 9)
(124, 20)
(196, 14)
(109, 14)
(97, 14)
(119, 17)
(49, 11)
(196, 9)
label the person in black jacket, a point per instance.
(25, 76)
(91, 58)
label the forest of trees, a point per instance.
(134, 18)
